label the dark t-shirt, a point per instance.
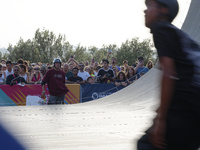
(110, 74)
(75, 79)
(174, 43)
(56, 82)
(68, 74)
(15, 79)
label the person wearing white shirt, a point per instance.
(9, 69)
(83, 74)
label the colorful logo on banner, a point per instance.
(16, 95)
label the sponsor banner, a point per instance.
(96, 91)
(16, 95)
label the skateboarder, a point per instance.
(177, 124)
(55, 79)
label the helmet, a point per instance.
(172, 5)
(56, 60)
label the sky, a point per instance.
(88, 22)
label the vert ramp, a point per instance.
(111, 123)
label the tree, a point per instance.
(131, 50)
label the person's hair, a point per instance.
(3, 60)
(16, 66)
(23, 66)
(121, 72)
(105, 60)
(140, 58)
(43, 67)
(75, 68)
(20, 61)
(30, 68)
(86, 67)
(90, 77)
(149, 66)
(97, 68)
(125, 61)
(91, 70)
(8, 62)
(128, 75)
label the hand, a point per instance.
(157, 133)
(43, 95)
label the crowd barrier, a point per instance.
(16, 95)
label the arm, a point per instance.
(43, 90)
(167, 89)
(28, 77)
(167, 86)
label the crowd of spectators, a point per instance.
(75, 72)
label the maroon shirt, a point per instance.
(56, 82)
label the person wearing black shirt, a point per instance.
(106, 74)
(75, 79)
(15, 78)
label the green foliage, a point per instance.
(45, 46)
(131, 50)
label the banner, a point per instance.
(16, 95)
(96, 91)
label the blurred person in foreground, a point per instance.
(55, 79)
(177, 124)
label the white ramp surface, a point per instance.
(111, 123)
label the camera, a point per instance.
(107, 74)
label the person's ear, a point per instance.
(164, 10)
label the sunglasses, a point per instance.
(41, 70)
(16, 69)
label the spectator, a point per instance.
(31, 71)
(125, 64)
(9, 68)
(71, 66)
(68, 73)
(90, 70)
(113, 63)
(149, 64)
(37, 76)
(106, 74)
(15, 78)
(114, 68)
(3, 61)
(140, 68)
(2, 77)
(43, 70)
(4, 68)
(73, 62)
(122, 68)
(75, 79)
(86, 63)
(1, 67)
(20, 61)
(96, 70)
(90, 80)
(83, 74)
(55, 79)
(49, 67)
(24, 73)
(121, 79)
(131, 76)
